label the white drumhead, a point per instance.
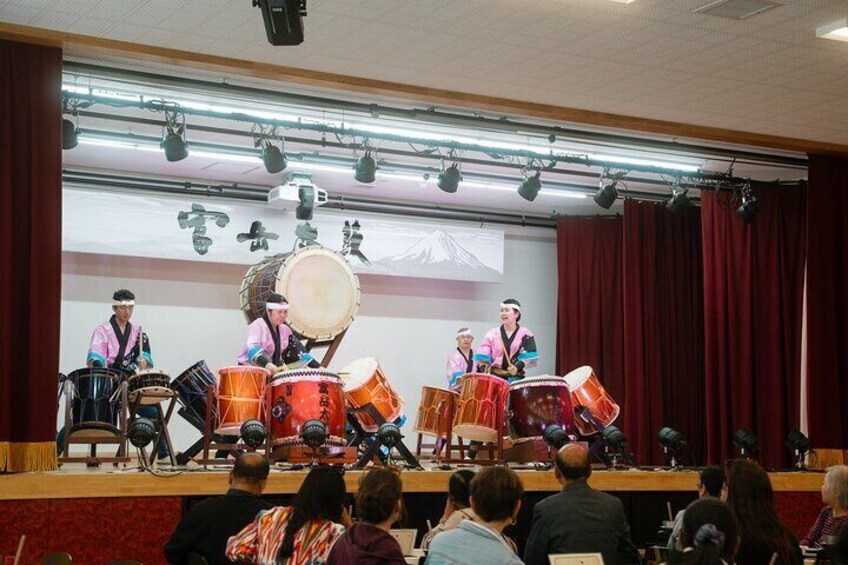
(355, 374)
(578, 376)
(322, 290)
(541, 379)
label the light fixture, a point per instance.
(672, 442)
(555, 436)
(679, 200)
(273, 157)
(389, 434)
(174, 142)
(141, 432)
(606, 195)
(614, 442)
(530, 187)
(70, 134)
(799, 445)
(837, 30)
(314, 434)
(366, 168)
(253, 433)
(450, 178)
(747, 442)
(747, 211)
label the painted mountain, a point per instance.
(438, 255)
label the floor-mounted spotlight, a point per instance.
(615, 444)
(314, 434)
(555, 436)
(530, 187)
(679, 200)
(449, 178)
(672, 442)
(366, 168)
(70, 134)
(253, 433)
(174, 141)
(799, 445)
(606, 195)
(747, 211)
(747, 442)
(141, 432)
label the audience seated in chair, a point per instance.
(709, 534)
(495, 499)
(205, 528)
(834, 516)
(710, 485)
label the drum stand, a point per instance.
(495, 450)
(441, 441)
(331, 344)
(209, 443)
(373, 452)
(92, 440)
(164, 417)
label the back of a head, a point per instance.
(713, 478)
(495, 492)
(459, 486)
(379, 491)
(572, 462)
(322, 494)
(836, 482)
(251, 468)
(710, 527)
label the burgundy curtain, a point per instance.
(30, 253)
(753, 297)
(663, 328)
(827, 301)
(589, 321)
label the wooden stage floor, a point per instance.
(75, 481)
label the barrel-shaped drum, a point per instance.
(434, 411)
(480, 407)
(303, 395)
(536, 403)
(587, 392)
(364, 383)
(241, 397)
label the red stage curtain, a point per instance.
(589, 322)
(827, 301)
(30, 253)
(753, 295)
(663, 328)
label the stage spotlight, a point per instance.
(141, 432)
(450, 178)
(389, 434)
(799, 444)
(174, 142)
(672, 442)
(273, 157)
(283, 20)
(70, 134)
(678, 202)
(613, 438)
(606, 194)
(366, 168)
(747, 211)
(253, 433)
(530, 187)
(555, 436)
(314, 433)
(747, 442)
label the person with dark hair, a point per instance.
(710, 485)
(271, 344)
(379, 504)
(461, 359)
(206, 527)
(495, 496)
(709, 535)
(834, 516)
(300, 534)
(508, 349)
(579, 519)
(750, 496)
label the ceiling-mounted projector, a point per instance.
(298, 193)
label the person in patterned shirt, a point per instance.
(834, 516)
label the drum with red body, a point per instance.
(536, 403)
(241, 397)
(481, 402)
(302, 395)
(587, 392)
(434, 411)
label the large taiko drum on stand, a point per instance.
(365, 382)
(192, 387)
(93, 413)
(536, 403)
(319, 284)
(241, 397)
(481, 402)
(587, 392)
(302, 395)
(434, 411)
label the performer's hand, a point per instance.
(513, 370)
(347, 521)
(142, 365)
(271, 368)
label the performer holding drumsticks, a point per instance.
(507, 350)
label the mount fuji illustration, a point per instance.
(438, 255)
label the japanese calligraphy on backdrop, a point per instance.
(208, 230)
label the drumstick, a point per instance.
(429, 526)
(668, 506)
(140, 344)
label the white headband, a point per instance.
(513, 306)
(276, 306)
(123, 303)
(466, 332)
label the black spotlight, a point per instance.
(253, 433)
(314, 434)
(678, 202)
(273, 157)
(283, 20)
(799, 445)
(747, 442)
(70, 134)
(530, 187)
(389, 434)
(450, 178)
(614, 442)
(606, 195)
(366, 168)
(141, 432)
(174, 142)
(555, 436)
(747, 211)
(672, 442)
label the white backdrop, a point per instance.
(190, 311)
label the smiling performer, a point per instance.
(507, 350)
(461, 359)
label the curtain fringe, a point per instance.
(23, 457)
(4, 454)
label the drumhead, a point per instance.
(358, 372)
(578, 376)
(549, 380)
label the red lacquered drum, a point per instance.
(481, 398)
(434, 411)
(537, 402)
(365, 382)
(586, 391)
(302, 395)
(241, 397)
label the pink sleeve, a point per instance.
(98, 349)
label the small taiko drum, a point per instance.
(149, 381)
(481, 402)
(434, 411)
(365, 382)
(302, 395)
(241, 397)
(192, 386)
(536, 403)
(587, 392)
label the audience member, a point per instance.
(834, 516)
(205, 528)
(495, 497)
(710, 485)
(302, 533)
(379, 504)
(457, 506)
(579, 519)
(709, 534)
(750, 496)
